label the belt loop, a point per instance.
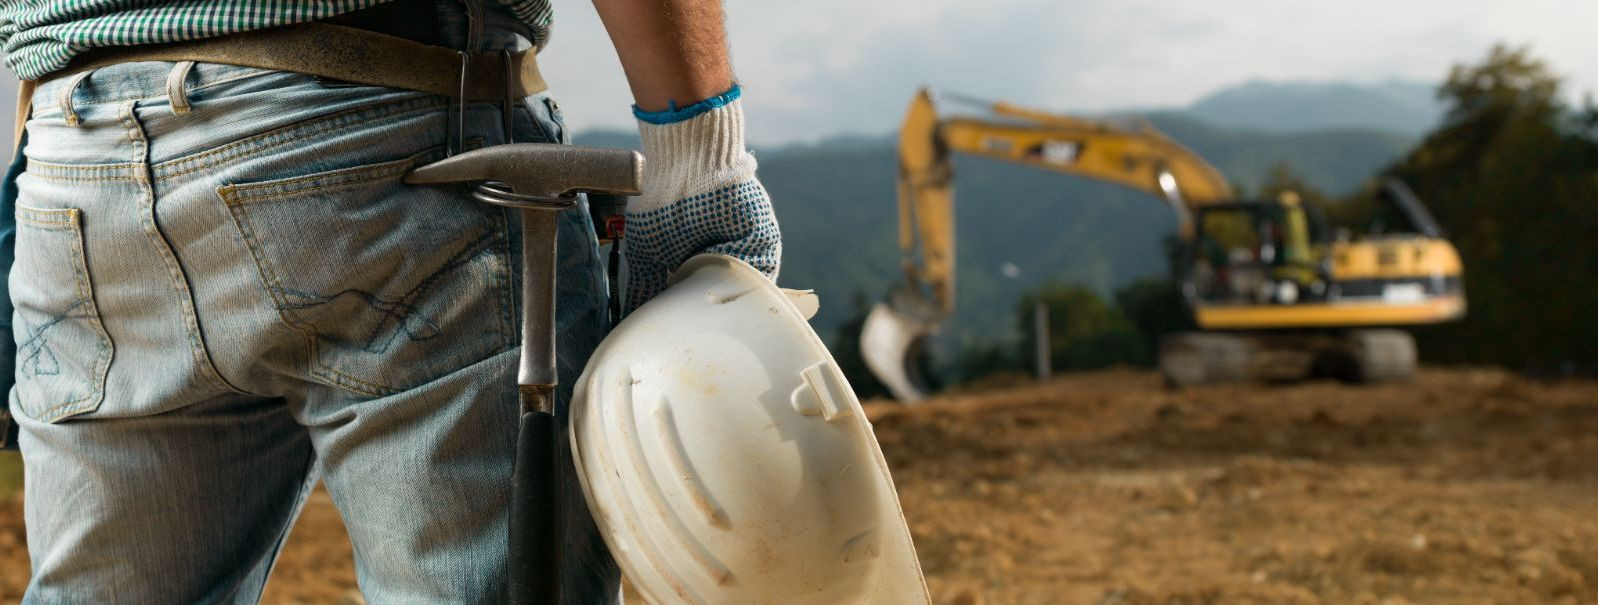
(65, 98)
(177, 87)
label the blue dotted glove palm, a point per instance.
(700, 195)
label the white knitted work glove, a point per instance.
(699, 195)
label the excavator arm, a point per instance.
(1139, 158)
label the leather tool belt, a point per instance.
(345, 54)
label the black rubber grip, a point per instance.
(534, 515)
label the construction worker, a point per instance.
(224, 292)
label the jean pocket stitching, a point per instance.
(238, 198)
(359, 175)
(299, 131)
(60, 219)
(490, 241)
(70, 179)
(68, 220)
(282, 306)
(72, 173)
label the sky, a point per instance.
(820, 68)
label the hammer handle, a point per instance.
(535, 512)
(538, 301)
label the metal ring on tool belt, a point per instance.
(500, 194)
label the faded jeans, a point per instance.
(217, 307)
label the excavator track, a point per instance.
(1379, 355)
(1355, 356)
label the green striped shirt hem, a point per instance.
(41, 36)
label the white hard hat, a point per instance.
(726, 459)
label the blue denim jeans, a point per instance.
(217, 307)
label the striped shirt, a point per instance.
(41, 36)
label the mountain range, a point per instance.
(1400, 106)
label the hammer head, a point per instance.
(540, 169)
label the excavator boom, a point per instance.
(1139, 158)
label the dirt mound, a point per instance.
(1461, 487)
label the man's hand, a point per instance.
(700, 193)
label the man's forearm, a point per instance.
(673, 51)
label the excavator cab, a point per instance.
(1258, 252)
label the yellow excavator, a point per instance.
(1274, 297)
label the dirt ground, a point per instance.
(1465, 486)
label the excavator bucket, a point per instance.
(890, 342)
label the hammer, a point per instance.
(540, 180)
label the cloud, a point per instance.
(826, 67)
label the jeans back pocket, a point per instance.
(390, 285)
(63, 351)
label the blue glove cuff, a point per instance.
(675, 114)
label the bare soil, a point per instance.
(1465, 486)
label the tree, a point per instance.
(1084, 331)
(1508, 83)
(1512, 174)
(1156, 308)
